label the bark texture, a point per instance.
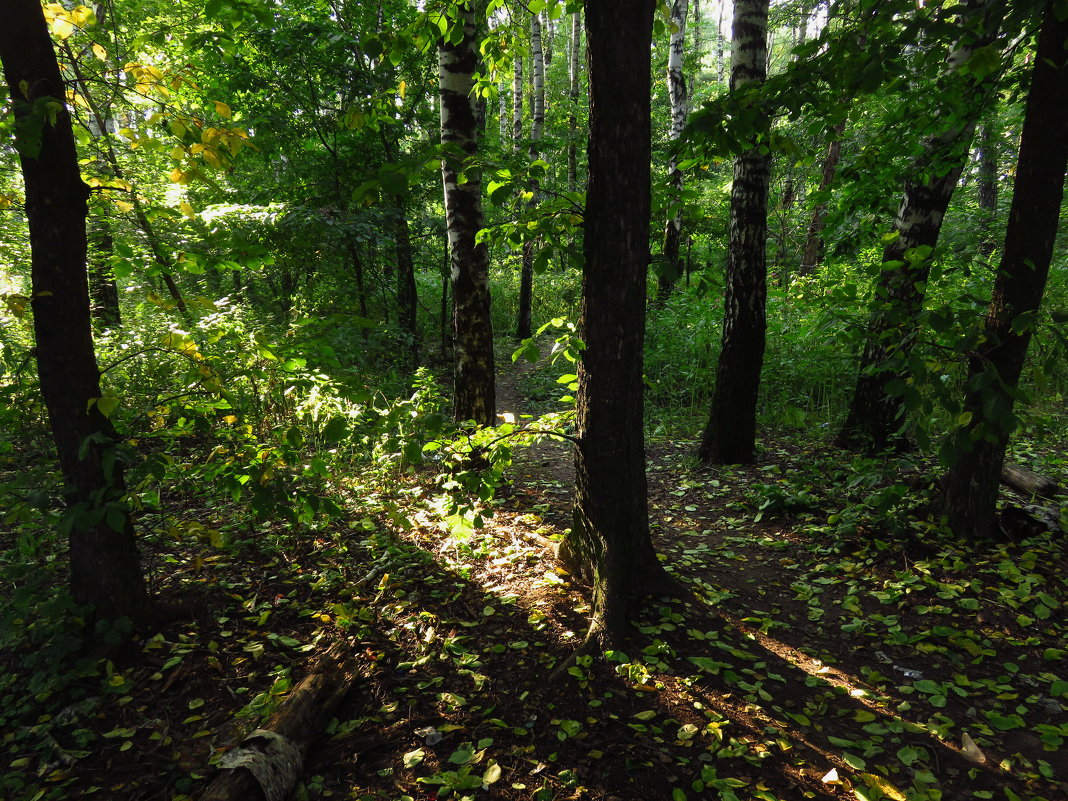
(523, 327)
(814, 233)
(474, 392)
(609, 545)
(988, 188)
(104, 563)
(877, 416)
(517, 102)
(730, 434)
(678, 95)
(298, 723)
(573, 100)
(407, 297)
(994, 370)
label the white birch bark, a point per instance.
(573, 98)
(537, 124)
(730, 434)
(680, 110)
(474, 393)
(517, 102)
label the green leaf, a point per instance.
(908, 755)
(335, 430)
(413, 758)
(708, 665)
(394, 182)
(854, 761)
(462, 755)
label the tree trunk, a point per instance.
(988, 188)
(526, 277)
(994, 369)
(1028, 482)
(877, 416)
(721, 40)
(609, 545)
(407, 297)
(517, 103)
(730, 434)
(104, 563)
(103, 291)
(285, 739)
(814, 234)
(473, 391)
(678, 95)
(573, 100)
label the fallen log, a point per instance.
(1030, 483)
(267, 764)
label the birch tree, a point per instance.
(877, 415)
(517, 101)
(105, 571)
(474, 391)
(730, 434)
(537, 123)
(609, 545)
(680, 109)
(574, 58)
(995, 368)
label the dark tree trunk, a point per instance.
(609, 545)
(994, 369)
(407, 298)
(988, 188)
(523, 324)
(877, 415)
(814, 234)
(474, 391)
(730, 434)
(104, 563)
(103, 291)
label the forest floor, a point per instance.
(823, 654)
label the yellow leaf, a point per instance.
(884, 785)
(100, 52)
(402, 89)
(223, 110)
(187, 210)
(124, 205)
(176, 176)
(83, 16)
(62, 28)
(177, 152)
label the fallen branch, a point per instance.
(1030, 483)
(269, 761)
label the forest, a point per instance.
(545, 400)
